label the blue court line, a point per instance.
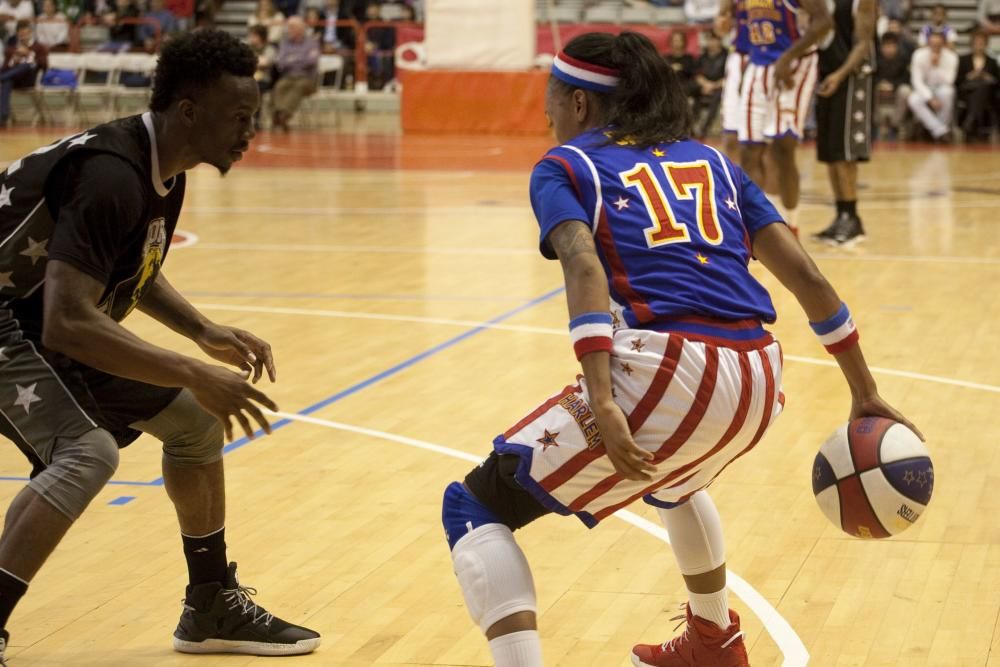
(122, 500)
(378, 377)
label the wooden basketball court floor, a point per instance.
(412, 319)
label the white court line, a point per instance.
(788, 642)
(558, 332)
(319, 247)
(406, 250)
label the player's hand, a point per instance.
(630, 460)
(228, 396)
(830, 84)
(783, 73)
(875, 406)
(238, 348)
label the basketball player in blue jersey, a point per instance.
(777, 89)
(654, 233)
(732, 20)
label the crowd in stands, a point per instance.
(926, 79)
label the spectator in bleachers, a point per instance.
(939, 23)
(682, 62)
(332, 35)
(907, 45)
(381, 48)
(288, 7)
(21, 64)
(932, 75)
(122, 37)
(298, 57)
(13, 11)
(892, 82)
(183, 12)
(710, 78)
(164, 17)
(266, 57)
(268, 16)
(52, 28)
(894, 9)
(314, 21)
(978, 74)
(988, 16)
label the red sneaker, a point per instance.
(702, 644)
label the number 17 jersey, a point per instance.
(673, 225)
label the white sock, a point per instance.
(518, 649)
(712, 607)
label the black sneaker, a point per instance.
(221, 618)
(4, 638)
(845, 230)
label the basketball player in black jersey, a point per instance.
(85, 225)
(844, 111)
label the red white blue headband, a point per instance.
(580, 74)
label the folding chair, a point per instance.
(330, 73)
(133, 68)
(97, 81)
(62, 93)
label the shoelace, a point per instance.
(681, 638)
(240, 597)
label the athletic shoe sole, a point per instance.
(300, 647)
(637, 661)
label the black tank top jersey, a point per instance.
(836, 48)
(114, 223)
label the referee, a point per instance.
(844, 111)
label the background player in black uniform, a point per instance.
(844, 111)
(85, 225)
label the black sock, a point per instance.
(845, 207)
(12, 590)
(206, 557)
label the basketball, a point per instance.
(873, 477)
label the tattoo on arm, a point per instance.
(571, 239)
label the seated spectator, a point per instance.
(52, 28)
(710, 77)
(266, 57)
(268, 16)
(892, 82)
(314, 22)
(122, 36)
(21, 64)
(978, 74)
(164, 17)
(907, 45)
(381, 50)
(682, 62)
(288, 7)
(988, 16)
(298, 57)
(331, 36)
(182, 11)
(932, 75)
(12, 12)
(939, 23)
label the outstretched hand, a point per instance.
(238, 348)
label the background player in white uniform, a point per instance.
(679, 379)
(732, 20)
(777, 89)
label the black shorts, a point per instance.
(45, 396)
(493, 484)
(844, 121)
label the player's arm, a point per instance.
(226, 344)
(820, 23)
(864, 35)
(724, 19)
(586, 293)
(778, 249)
(74, 326)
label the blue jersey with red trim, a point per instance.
(672, 225)
(772, 27)
(741, 42)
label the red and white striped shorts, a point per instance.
(697, 402)
(769, 112)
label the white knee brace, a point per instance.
(695, 534)
(494, 575)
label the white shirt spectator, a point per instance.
(52, 30)
(24, 9)
(933, 97)
(928, 76)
